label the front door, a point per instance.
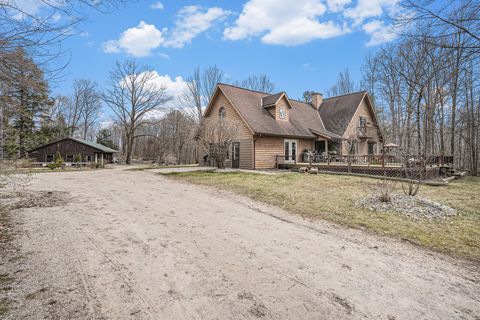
(236, 155)
(371, 148)
(290, 150)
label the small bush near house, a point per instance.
(96, 165)
(385, 189)
(78, 158)
(58, 163)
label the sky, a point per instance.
(300, 44)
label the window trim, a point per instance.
(280, 109)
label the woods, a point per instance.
(426, 85)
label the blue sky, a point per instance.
(300, 44)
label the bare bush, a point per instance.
(385, 189)
(216, 135)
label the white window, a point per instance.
(282, 113)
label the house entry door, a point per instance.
(290, 150)
(371, 148)
(236, 155)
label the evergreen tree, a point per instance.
(25, 92)
(104, 137)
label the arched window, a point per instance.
(221, 113)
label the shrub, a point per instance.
(58, 163)
(385, 190)
(78, 158)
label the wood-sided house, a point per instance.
(91, 152)
(274, 126)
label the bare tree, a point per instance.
(91, 105)
(307, 96)
(133, 96)
(216, 135)
(200, 87)
(260, 83)
(343, 85)
(446, 19)
(40, 27)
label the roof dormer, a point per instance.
(278, 105)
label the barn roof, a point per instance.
(92, 144)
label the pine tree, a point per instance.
(25, 95)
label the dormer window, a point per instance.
(221, 113)
(282, 113)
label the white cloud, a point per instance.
(157, 6)
(84, 34)
(191, 21)
(337, 5)
(137, 41)
(287, 22)
(56, 17)
(174, 86)
(111, 46)
(379, 33)
(371, 8)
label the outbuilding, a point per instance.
(68, 148)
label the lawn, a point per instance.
(333, 198)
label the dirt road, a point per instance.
(136, 245)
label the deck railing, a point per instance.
(363, 160)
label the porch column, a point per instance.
(96, 157)
(101, 159)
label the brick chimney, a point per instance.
(317, 100)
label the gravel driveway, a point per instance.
(136, 245)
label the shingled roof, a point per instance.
(92, 144)
(336, 110)
(270, 100)
(304, 120)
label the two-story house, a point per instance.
(273, 126)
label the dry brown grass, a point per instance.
(333, 197)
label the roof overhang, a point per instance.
(284, 94)
(325, 134)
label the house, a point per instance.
(273, 126)
(91, 152)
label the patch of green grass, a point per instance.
(157, 166)
(333, 198)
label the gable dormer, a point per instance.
(278, 105)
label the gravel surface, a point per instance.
(137, 245)
(412, 206)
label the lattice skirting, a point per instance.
(392, 172)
